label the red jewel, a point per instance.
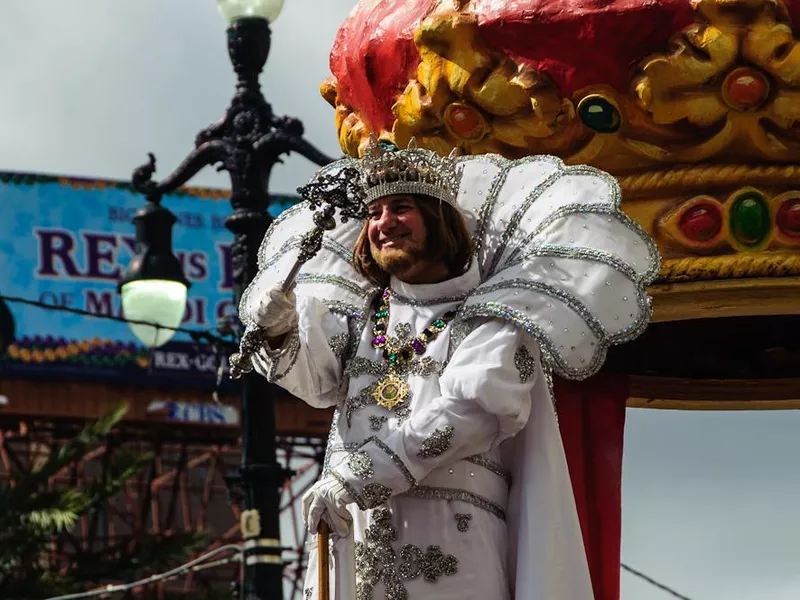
(788, 218)
(745, 88)
(464, 121)
(701, 222)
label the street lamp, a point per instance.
(153, 288)
(236, 9)
(247, 143)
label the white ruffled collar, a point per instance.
(448, 290)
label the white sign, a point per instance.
(195, 412)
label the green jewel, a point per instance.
(750, 220)
(597, 112)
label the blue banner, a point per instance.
(65, 242)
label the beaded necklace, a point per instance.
(392, 390)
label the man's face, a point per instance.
(397, 234)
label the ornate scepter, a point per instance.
(340, 190)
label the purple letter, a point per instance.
(56, 244)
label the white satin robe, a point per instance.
(466, 495)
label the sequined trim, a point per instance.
(296, 242)
(429, 302)
(339, 343)
(487, 208)
(462, 521)
(525, 363)
(424, 367)
(330, 446)
(612, 212)
(350, 490)
(394, 458)
(511, 227)
(568, 252)
(436, 443)
(569, 300)
(344, 308)
(359, 366)
(336, 280)
(289, 212)
(459, 330)
(438, 493)
(360, 463)
(291, 352)
(376, 558)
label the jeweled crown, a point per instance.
(388, 171)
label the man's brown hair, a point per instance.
(448, 239)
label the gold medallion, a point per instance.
(390, 392)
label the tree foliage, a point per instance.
(35, 517)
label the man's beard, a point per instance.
(397, 261)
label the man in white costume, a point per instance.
(433, 328)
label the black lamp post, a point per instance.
(247, 143)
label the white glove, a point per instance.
(327, 500)
(277, 312)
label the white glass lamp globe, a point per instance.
(235, 9)
(155, 301)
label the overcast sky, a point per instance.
(711, 500)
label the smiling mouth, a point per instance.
(394, 240)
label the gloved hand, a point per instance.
(327, 500)
(277, 312)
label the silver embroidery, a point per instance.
(376, 558)
(393, 457)
(375, 494)
(360, 463)
(424, 367)
(333, 434)
(592, 322)
(362, 399)
(402, 413)
(429, 302)
(459, 330)
(436, 443)
(509, 231)
(359, 366)
(292, 351)
(462, 521)
(431, 563)
(339, 343)
(548, 346)
(350, 490)
(438, 493)
(336, 280)
(525, 363)
(377, 421)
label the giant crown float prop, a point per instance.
(694, 105)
